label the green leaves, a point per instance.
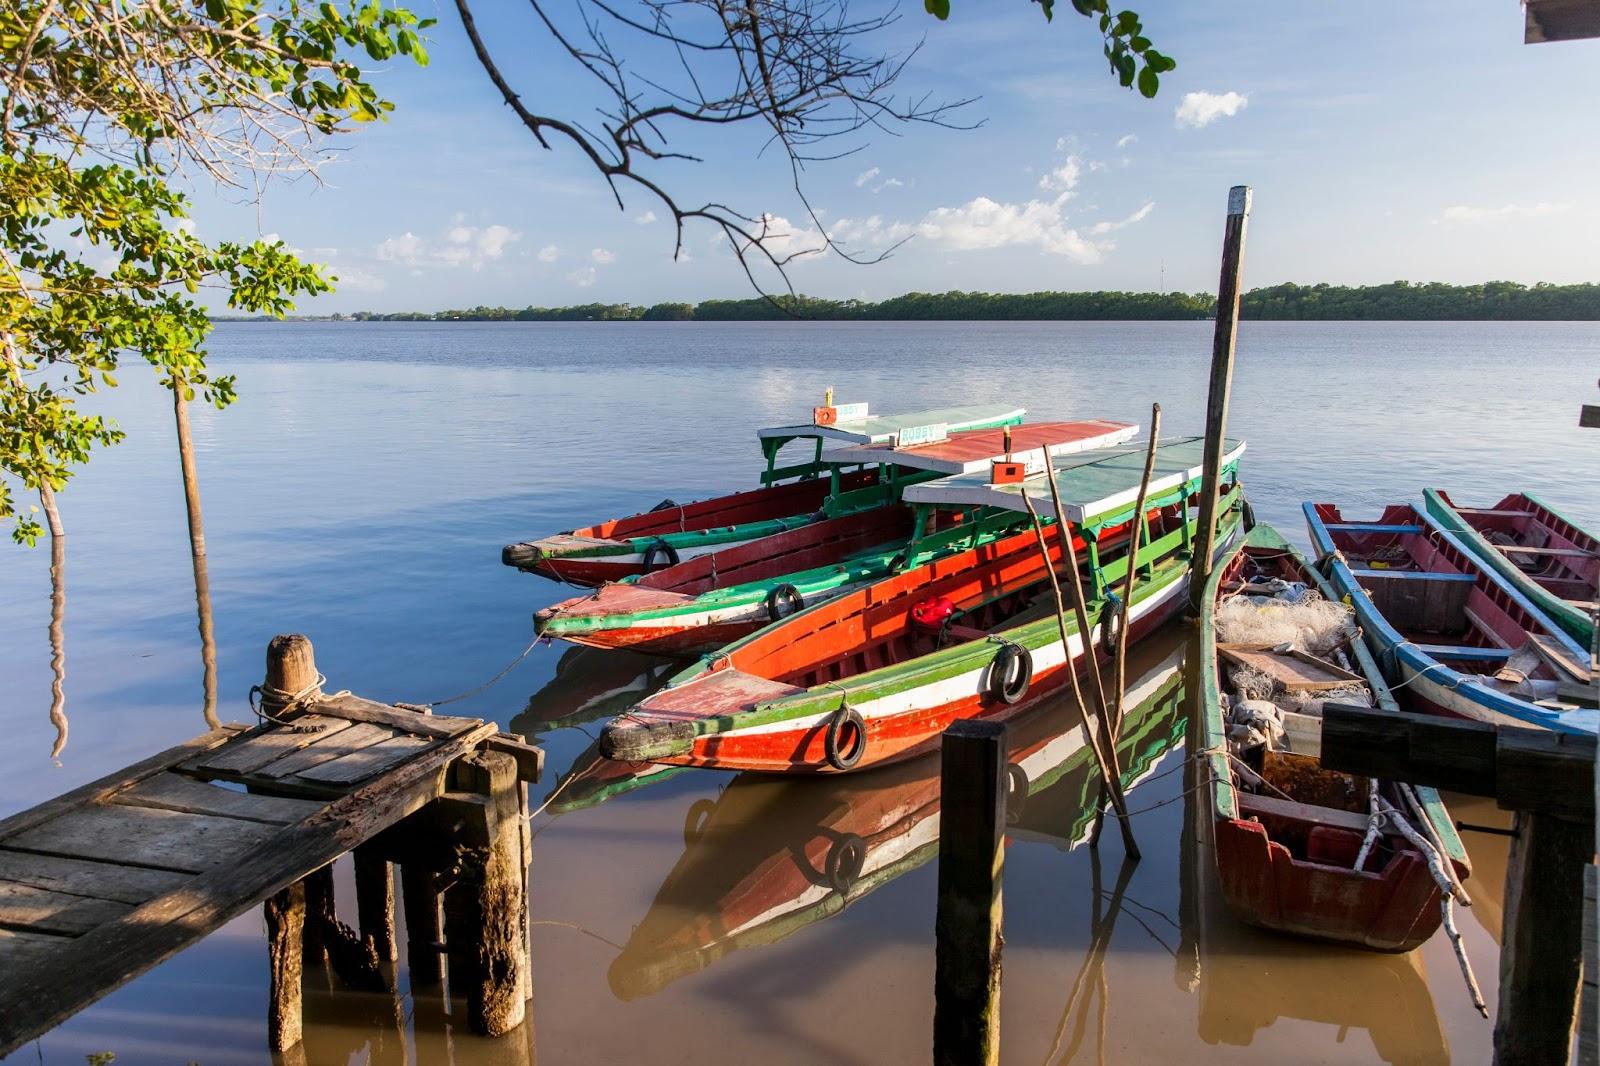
(1127, 50)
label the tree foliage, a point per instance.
(107, 105)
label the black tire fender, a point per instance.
(658, 547)
(1002, 685)
(839, 757)
(694, 822)
(846, 856)
(1247, 515)
(784, 594)
(1110, 625)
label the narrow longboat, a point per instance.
(1288, 831)
(1549, 558)
(704, 602)
(878, 673)
(769, 857)
(1449, 633)
(671, 532)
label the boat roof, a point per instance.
(1092, 482)
(965, 452)
(881, 429)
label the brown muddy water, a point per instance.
(360, 491)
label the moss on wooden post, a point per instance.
(286, 918)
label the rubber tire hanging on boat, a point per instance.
(1001, 685)
(837, 758)
(694, 822)
(1110, 624)
(846, 856)
(1247, 516)
(788, 594)
(667, 551)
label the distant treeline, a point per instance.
(1397, 301)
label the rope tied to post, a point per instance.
(288, 701)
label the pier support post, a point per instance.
(486, 910)
(375, 902)
(419, 888)
(286, 918)
(968, 940)
(1541, 949)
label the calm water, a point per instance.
(360, 490)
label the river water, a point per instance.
(360, 490)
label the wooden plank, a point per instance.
(174, 792)
(40, 910)
(1295, 671)
(1557, 655)
(1490, 512)
(1310, 814)
(358, 736)
(530, 757)
(142, 836)
(1370, 527)
(1463, 651)
(1410, 575)
(264, 746)
(1397, 746)
(373, 759)
(1589, 996)
(82, 877)
(1541, 955)
(33, 1000)
(99, 789)
(19, 949)
(356, 709)
(1569, 553)
(1552, 773)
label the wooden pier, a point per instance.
(102, 883)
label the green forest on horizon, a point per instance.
(1396, 301)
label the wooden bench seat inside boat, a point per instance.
(1467, 652)
(1413, 601)
(1372, 527)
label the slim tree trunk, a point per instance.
(58, 615)
(197, 549)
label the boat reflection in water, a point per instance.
(590, 684)
(772, 855)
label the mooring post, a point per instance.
(1221, 388)
(486, 909)
(286, 918)
(972, 815)
(291, 671)
(375, 902)
(1541, 949)
(419, 888)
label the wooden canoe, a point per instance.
(769, 857)
(671, 532)
(1449, 633)
(860, 679)
(1285, 853)
(1547, 557)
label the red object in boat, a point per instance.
(934, 612)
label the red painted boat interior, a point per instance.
(1288, 862)
(978, 444)
(1479, 614)
(754, 505)
(1568, 560)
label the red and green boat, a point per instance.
(876, 674)
(769, 857)
(1288, 832)
(704, 602)
(1546, 556)
(671, 532)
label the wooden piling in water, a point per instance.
(968, 939)
(286, 919)
(1221, 388)
(375, 902)
(419, 889)
(291, 671)
(1541, 947)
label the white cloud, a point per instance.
(1101, 228)
(354, 278)
(888, 183)
(1127, 139)
(1064, 178)
(1462, 214)
(983, 223)
(866, 176)
(646, 218)
(600, 255)
(1203, 108)
(583, 277)
(467, 246)
(549, 254)
(783, 238)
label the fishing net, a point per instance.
(1250, 683)
(1312, 625)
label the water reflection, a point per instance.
(770, 855)
(590, 684)
(58, 641)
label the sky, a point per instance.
(1421, 141)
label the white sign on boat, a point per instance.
(975, 450)
(881, 429)
(1093, 483)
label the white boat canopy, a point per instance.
(1095, 485)
(973, 450)
(867, 428)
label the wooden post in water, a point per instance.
(966, 1010)
(419, 888)
(486, 910)
(286, 919)
(1221, 388)
(1541, 950)
(375, 902)
(291, 670)
(197, 547)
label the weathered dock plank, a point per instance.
(362, 764)
(174, 792)
(84, 877)
(24, 908)
(265, 745)
(143, 836)
(24, 949)
(323, 749)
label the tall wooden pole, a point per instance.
(1222, 347)
(58, 615)
(197, 549)
(967, 940)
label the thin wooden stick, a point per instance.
(1108, 765)
(1120, 667)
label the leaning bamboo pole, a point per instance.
(197, 549)
(1120, 666)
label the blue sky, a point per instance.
(1420, 140)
